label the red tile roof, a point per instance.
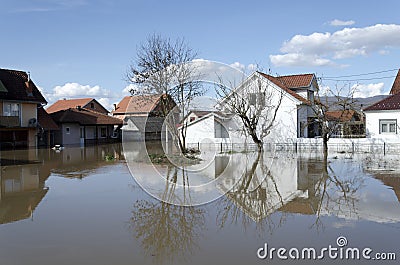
(19, 87)
(45, 121)
(84, 117)
(64, 104)
(396, 84)
(341, 115)
(390, 103)
(140, 104)
(278, 82)
(296, 81)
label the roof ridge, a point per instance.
(378, 102)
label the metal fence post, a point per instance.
(384, 148)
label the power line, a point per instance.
(370, 73)
(358, 79)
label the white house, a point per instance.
(294, 116)
(382, 118)
(207, 126)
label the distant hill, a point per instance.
(360, 103)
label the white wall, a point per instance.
(285, 125)
(372, 123)
(200, 131)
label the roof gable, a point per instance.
(390, 103)
(138, 104)
(17, 85)
(64, 104)
(281, 85)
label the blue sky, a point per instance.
(76, 48)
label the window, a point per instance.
(103, 132)
(257, 98)
(388, 126)
(11, 109)
(67, 130)
(92, 105)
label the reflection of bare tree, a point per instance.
(251, 199)
(168, 231)
(336, 195)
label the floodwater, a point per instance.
(82, 206)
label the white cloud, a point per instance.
(107, 102)
(77, 90)
(338, 22)
(238, 66)
(299, 59)
(128, 88)
(368, 90)
(322, 49)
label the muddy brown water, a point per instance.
(82, 206)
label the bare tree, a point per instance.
(341, 101)
(163, 66)
(255, 103)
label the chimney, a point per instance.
(28, 85)
(115, 106)
(78, 107)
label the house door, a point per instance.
(82, 135)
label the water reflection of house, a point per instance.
(76, 162)
(22, 189)
(392, 181)
(260, 192)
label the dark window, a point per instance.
(103, 132)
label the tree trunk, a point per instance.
(325, 145)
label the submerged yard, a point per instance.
(82, 206)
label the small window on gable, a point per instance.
(257, 99)
(67, 130)
(92, 105)
(2, 87)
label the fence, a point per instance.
(339, 147)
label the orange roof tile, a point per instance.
(278, 82)
(396, 84)
(64, 104)
(139, 104)
(296, 81)
(341, 115)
